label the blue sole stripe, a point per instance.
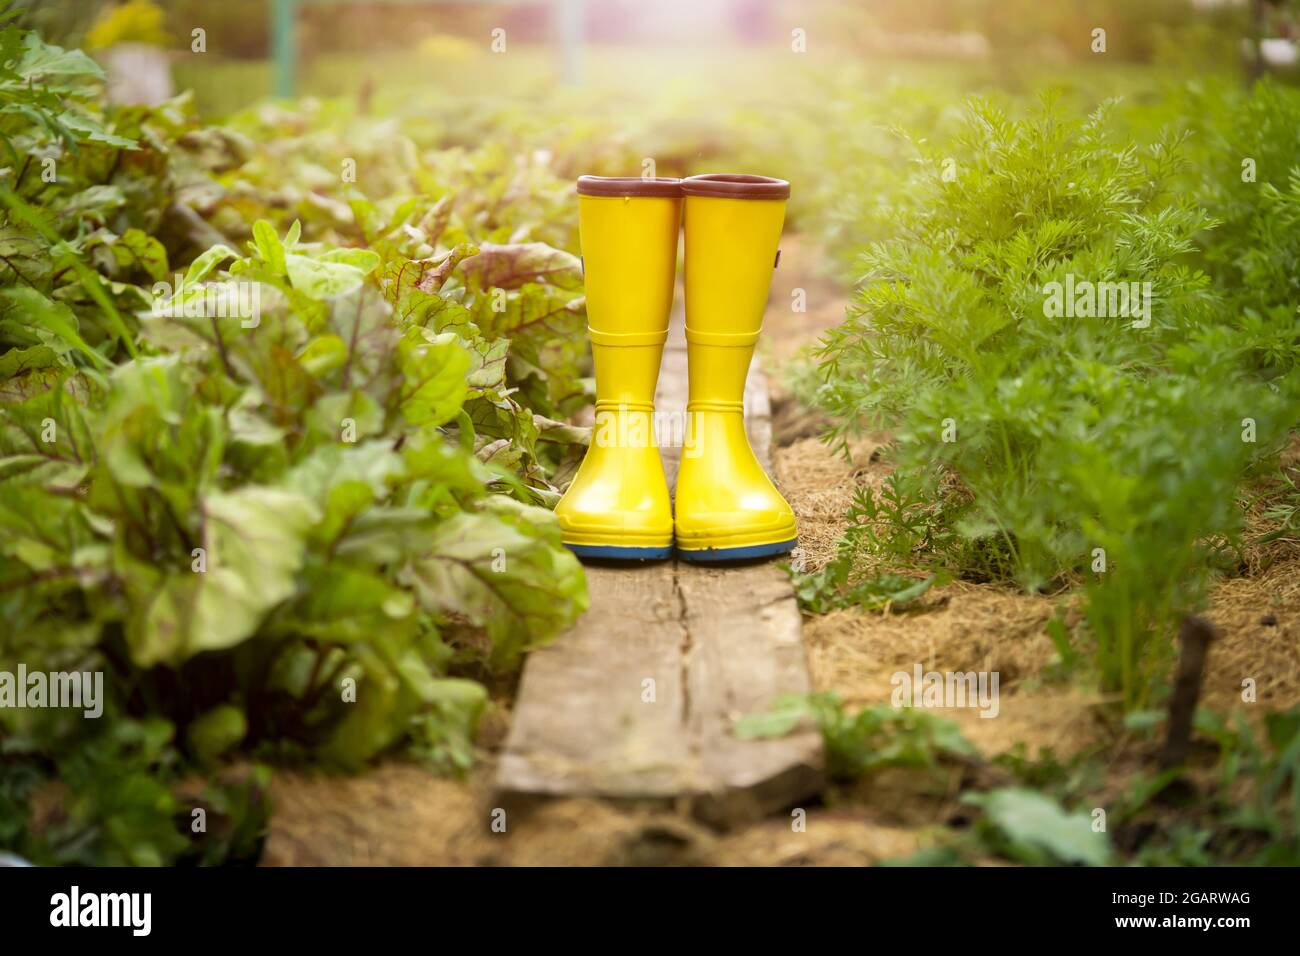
(618, 553)
(705, 555)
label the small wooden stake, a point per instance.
(1194, 636)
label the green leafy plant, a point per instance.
(847, 579)
(114, 795)
(1029, 827)
(860, 743)
(1265, 826)
(829, 588)
(1283, 510)
(1040, 444)
(50, 87)
(1019, 824)
(282, 485)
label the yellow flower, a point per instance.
(442, 46)
(137, 21)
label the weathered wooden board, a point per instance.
(638, 700)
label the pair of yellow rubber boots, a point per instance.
(618, 506)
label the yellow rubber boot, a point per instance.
(618, 506)
(727, 507)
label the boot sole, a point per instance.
(609, 552)
(744, 553)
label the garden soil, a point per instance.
(400, 814)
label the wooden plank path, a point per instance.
(637, 701)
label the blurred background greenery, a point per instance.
(719, 50)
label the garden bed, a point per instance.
(412, 817)
(291, 388)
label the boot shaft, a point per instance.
(628, 231)
(629, 251)
(733, 230)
